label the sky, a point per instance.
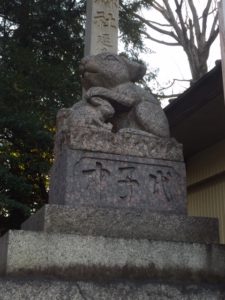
(171, 60)
(172, 63)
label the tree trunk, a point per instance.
(198, 62)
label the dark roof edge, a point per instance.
(194, 86)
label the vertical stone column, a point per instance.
(102, 26)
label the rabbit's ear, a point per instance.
(136, 70)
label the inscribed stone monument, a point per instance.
(113, 148)
(113, 152)
(102, 26)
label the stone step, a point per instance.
(47, 289)
(91, 257)
(124, 223)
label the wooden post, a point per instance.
(102, 26)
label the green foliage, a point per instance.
(41, 44)
(130, 26)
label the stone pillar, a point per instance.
(102, 26)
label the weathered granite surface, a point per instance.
(123, 143)
(87, 178)
(28, 289)
(125, 223)
(102, 23)
(110, 78)
(88, 257)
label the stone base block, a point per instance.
(66, 290)
(98, 168)
(88, 257)
(94, 179)
(125, 223)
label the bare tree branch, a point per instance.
(192, 37)
(197, 28)
(205, 16)
(211, 12)
(160, 30)
(214, 24)
(157, 40)
(166, 96)
(173, 82)
(182, 23)
(168, 14)
(157, 6)
(160, 24)
(187, 30)
(214, 31)
(212, 37)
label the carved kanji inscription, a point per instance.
(109, 183)
(128, 183)
(103, 20)
(102, 26)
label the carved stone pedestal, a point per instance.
(121, 231)
(101, 169)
